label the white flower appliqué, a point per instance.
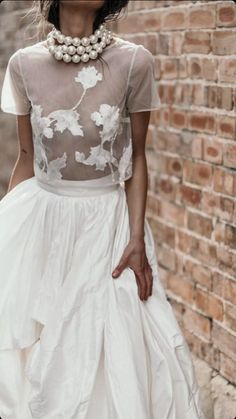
(88, 77)
(109, 117)
(98, 157)
(67, 119)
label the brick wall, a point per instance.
(191, 151)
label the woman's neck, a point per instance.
(76, 23)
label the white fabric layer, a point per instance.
(80, 113)
(74, 342)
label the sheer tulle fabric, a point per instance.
(80, 113)
(75, 341)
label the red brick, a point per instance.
(172, 212)
(190, 196)
(230, 316)
(226, 14)
(227, 70)
(166, 187)
(197, 41)
(224, 341)
(202, 68)
(167, 258)
(202, 275)
(217, 206)
(180, 287)
(212, 151)
(173, 20)
(224, 181)
(229, 157)
(219, 97)
(197, 146)
(162, 44)
(178, 118)
(198, 173)
(197, 323)
(202, 17)
(224, 287)
(203, 349)
(228, 368)
(169, 68)
(223, 42)
(226, 127)
(200, 224)
(209, 304)
(202, 122)
(176, 40)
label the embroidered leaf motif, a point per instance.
(109, 117)
(98, 156)
(88, 77)
(54, 167)
(67, 119)
(125, 162)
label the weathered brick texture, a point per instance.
(191, 151)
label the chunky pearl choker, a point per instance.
(78, 49)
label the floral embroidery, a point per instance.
(98, 156)
(55, 166)
(125, 163)
(67, 119)
(88, 77)
(108, 117)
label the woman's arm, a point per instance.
(134, 254)
(23, 168)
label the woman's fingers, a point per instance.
(149, 280)
(141, 278)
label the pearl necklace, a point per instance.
(78, 49)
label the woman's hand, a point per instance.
(134, 257)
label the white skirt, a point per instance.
(75, 343)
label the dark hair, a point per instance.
(48, 10)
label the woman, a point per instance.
(86, 330)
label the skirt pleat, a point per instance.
(75, 343)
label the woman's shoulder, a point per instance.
(141, 52)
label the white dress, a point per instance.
(74, 342)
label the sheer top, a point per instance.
(80, 113)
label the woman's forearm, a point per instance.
(136, 193)
(22, 170)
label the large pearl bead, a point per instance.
(52, 49)
(85, 57)
(98, 33)
(80, 50)
(76, 41)
(85, 41)
(68, 40)
(99, 49)
(93, 39)
(93, 54)
(50, 41)
(66, 58)
(58, 55)
(71, 50)
(61, 39)
(76, 58)
(64, 48)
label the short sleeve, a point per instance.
(14, 97)
(142, 94)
